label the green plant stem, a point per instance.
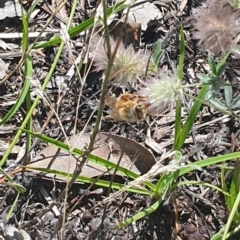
(105, 82)
(28, 76)
(231, 216)
(85, 155)
(178, 113)
(35, 41)
(178, 119)
(34, 105)
(107, 73)
(10, 213)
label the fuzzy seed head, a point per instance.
(128, 65)
(161, 92)
(217, 27)
(235, 4)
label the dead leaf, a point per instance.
(136, 157)
(4, 145)
(130, 32)
(143, 12)
(135, 151)
(130, 35)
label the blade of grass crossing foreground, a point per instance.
(181, 56)
(28, 70)
(17, 186)
(28, 77)
(190, 119)
(25, 32)
(180, 75)
(91, 157)
(10, 213)
(19, 102)
(34, 105)
(29, 114)
(179, 184)
(194, 110)
(26, 85)
(224, 187)
(235, 184)
(143, 213)
(31, 9)
(178, 117)
(208, 161)
(97, 182)
(163, 184)
(231, 216)
(80, 152)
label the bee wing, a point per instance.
(111, 101)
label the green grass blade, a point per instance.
(79, 152)
(157, 53)
(87, 24)
(178, 119)
(30, 11)
(179, 184)
(10, 213)
(143, 213)
(218, 235)
(178, 101)
(190, 119)
(29, 114)
(91, 157)
(181, 55)
(163, 184)
(97, 182)
(231, 216)
(19, 102)
(25, 32)
(195, 109)
(224, 186)
(209, 161)
(28, 77)
(235, 184)
(17, 186)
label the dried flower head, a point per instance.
(128, 65)
(217, 27)
(235, 4)
(160, 92)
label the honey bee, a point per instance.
(126, 107)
